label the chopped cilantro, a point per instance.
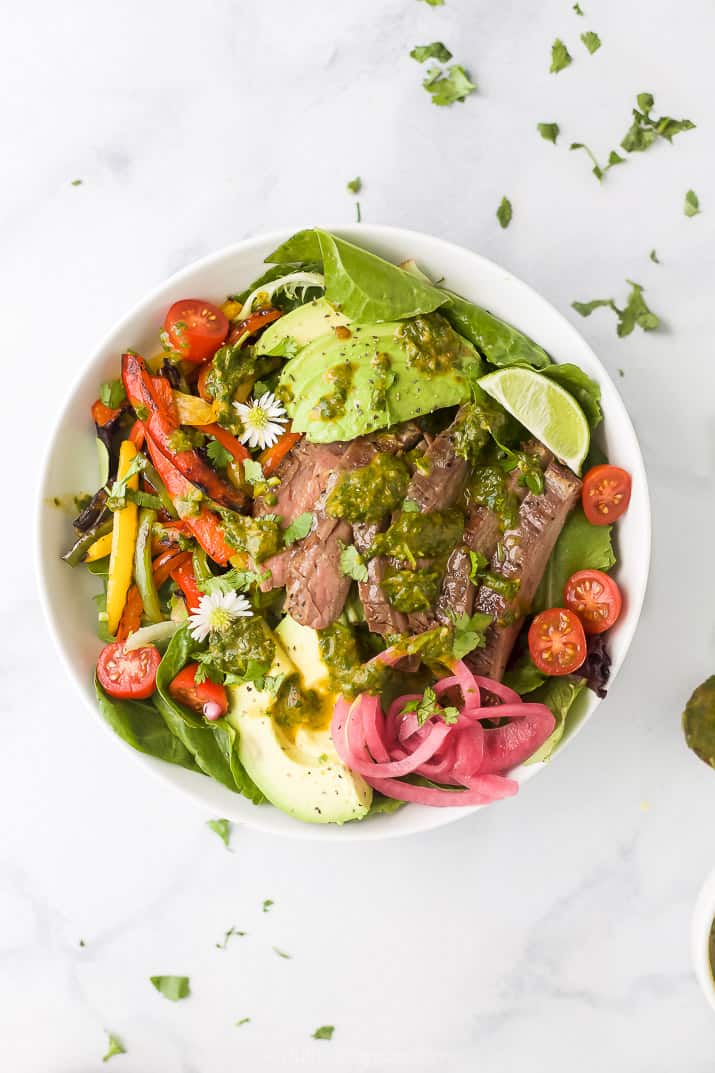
(435, 51)
(82, 942)
(324, 1032)
(112, 393)
(267, 903)
(428, 705)
(281, 953)
(218, 453)
(613, 159)
(434, 3)
(592, 41)
(692, 204)
(654, 257)
(234, 580)
(447, 87)
(172, 987)
(228, 935)
(222, 828)
(76, 182)
(621, 373)
(114, 1046)
(253, 471)
(645, 129)
(577, 9)
(635, 312)
(358, 213)
(504, 212)
(242, 1021)
(352, 563)
(355, 185)
(298, 528)
(548, 131)
(560, 56)
(469, 633)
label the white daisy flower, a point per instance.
(216, 612)
(263, 420)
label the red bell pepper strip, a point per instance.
(162, 567)
(252, 324)
(185, 578)
(272, 457)
(104, 415)
(204, 526)
(136, 435)
(151, 396)
(227, 440)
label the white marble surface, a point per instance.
(550, 932)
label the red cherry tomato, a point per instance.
(557, 642)
(205, 698)
(595, 598)
(606, 494)
(196, 329)
(128, 675)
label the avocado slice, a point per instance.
(304, 777)
(300, 326)
(302, 645)
(337, 389)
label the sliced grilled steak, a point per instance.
(303, 476)
(381, 617)
(444, 484)
(526, 552)
(315, 588)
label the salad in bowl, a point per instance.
(352, 540)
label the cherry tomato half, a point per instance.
(606, 494)
(595, 598)
(557, 642)
(205, 698)
(196, 329)
(128, 675)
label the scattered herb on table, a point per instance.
(646, 129)
(548, 131)
(613, 159)
(577, 9)
(282, 953)
(434, 3)
(222, 828)
(447, 86)
(76, 182)
(635, 312)
(355, 185)
(358, 213)
(114, 1046)
(267, 903)
(654, 257)
(324, 1032)
(82, 942)
(591, 40)
(560, 56)
(621, 373)
(228, 935)
(172, 987)
(504, 212)
(437, 50)
(242, 1021)
(691, 206)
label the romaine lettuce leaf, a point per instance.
(581, 546)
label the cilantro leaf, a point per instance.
(560, 57)
(355, 185)
(435, 3)
(352, 563)
(644, 130)
(76, 182)
(298, 528)
(635, 312)
(218, 453)
(504, 212)
(577, 9)
(234, 580)
(267, 903)
(548, 131)
(222, 828)
(477, 565)
(114, 1045)
(172, 987)
(591, 40)
(692, 204)
(654, 257)
(112, 393)
(613, 159)
(282, 953)
(469, 633)
(253, 471)
(435, 51)
(447, 87)
(228, 935)
(242, 1021)
(428, 705)
(324, 1032)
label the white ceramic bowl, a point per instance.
(71, 465)
(703, 916)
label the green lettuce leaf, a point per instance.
(499, 342)
(139, 724)
(558, 694)
(581, 546)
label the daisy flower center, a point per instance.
(219, 619)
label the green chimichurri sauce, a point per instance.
(429, 343)
(370, 492)
(244, 640)
(411, 590)
(349, 673)
(231, 366)
(420, 536)
(489, 487)
(260, 537)
(333, 404)
(479, 421)
(295, 706)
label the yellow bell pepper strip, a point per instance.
(192, 410)
(143, 569)
(100, 549)
(85, 541)
(124, 535)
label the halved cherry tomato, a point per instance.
(128, 675)
(557, 642)
(196, 329)
(595, 598)
(205, 698)
(606, 494)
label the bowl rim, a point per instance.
(377, 828)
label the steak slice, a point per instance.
(442, 486)
(380, 615)
(526, 550)
(315, 588)
(303, 475)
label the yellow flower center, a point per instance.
(219, 620)
(259, 417)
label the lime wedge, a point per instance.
(545, 409)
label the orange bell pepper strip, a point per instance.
(161, 567)
(204, 526)
(185, 578)
(227, 440)
(272, 457)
